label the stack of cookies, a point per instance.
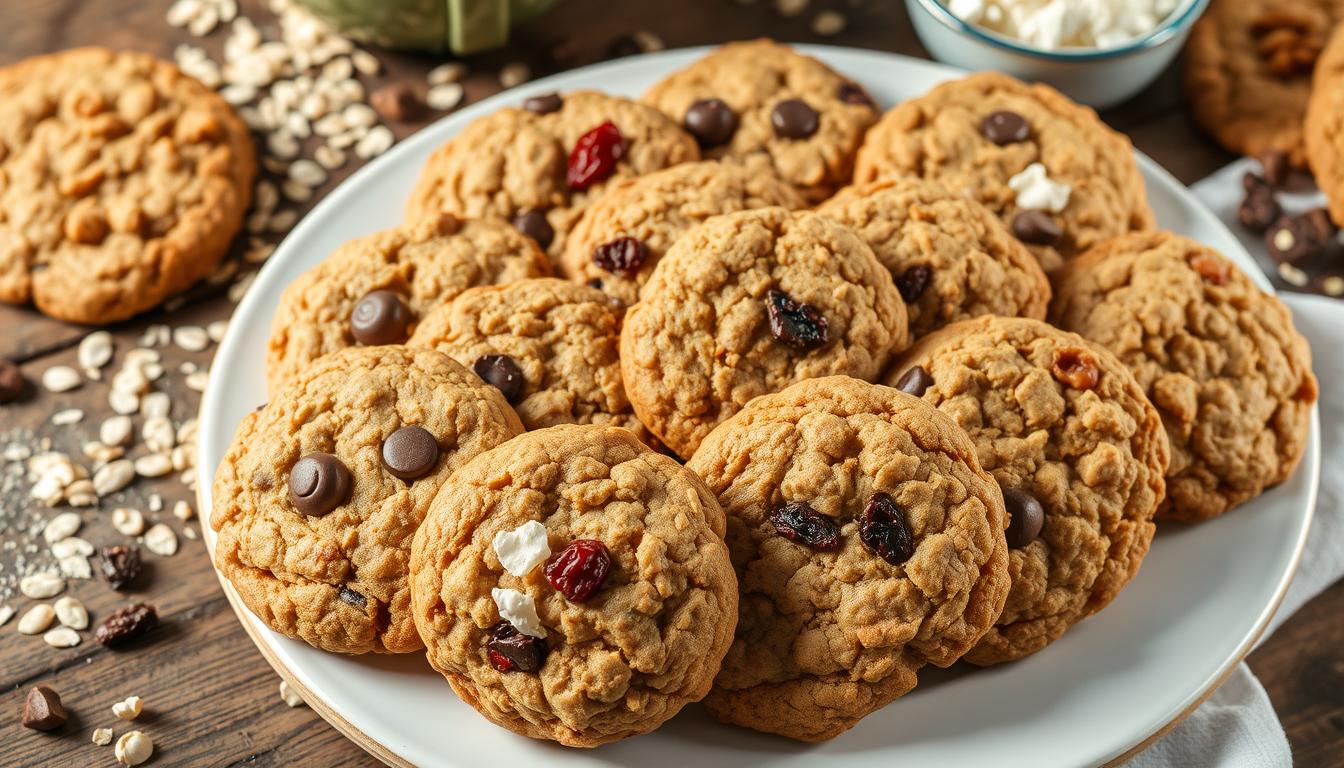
(747, 393)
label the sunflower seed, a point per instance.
(67, 417)
(36, 619)
(71, 547)
(95, 350)
(161, 540)
(113, 477)
(153, 465)
(127, 521)
(40, 586)
(62, 526)
(60, 378)
(72, 613)
(445, 97)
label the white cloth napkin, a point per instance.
(1237, 726)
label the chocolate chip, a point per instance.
(533, 223)
(1259, 208)
(352, 598)
(1274, 167)
(798, 522)
(318, 483)
(1026, 516)
(42, 710)
(120, 565)
(1036, 228)
(126, 624)
(1005, 127)
(12, 385)
(410, 452)
(1300, 240)
(884, 529)
(509, 650)
(798, 325)
(502, 373)
(915, 381)
(711, 121)
(794, 119)
(624, 255)
(624, 45)
(397, 102)
(913, 281)
(852, 93)
(381, 317)
(544, 104)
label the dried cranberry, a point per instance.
(624, 255)
(799, 325)
(913, 282)
(579, 569)
(850, 93)
(884, 529)
(508, 649)
(595, 156)
(126, 624)
(800, 523)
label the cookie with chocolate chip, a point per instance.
(746, 304)
(763, 97)
(867, 541)
(375, 289)
(1077, 450)
(574, 585)
(320, 493)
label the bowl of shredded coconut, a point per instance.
(1099, 52)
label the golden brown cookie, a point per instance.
(375, 289)
(574, 585)
(1324, 129)
(950, 257)
(1248, 71)
(122, 182)
(868, 542)
(320, 493)
(623, 234)
(1049, 168)
(1077, 449)
(1230, 376)
(760, 96)
(541, 164)
(745, 305)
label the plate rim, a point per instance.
(388, 755)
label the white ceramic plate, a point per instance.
(1203, 596)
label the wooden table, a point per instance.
(210, 698)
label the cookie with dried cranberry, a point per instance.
(1077, 449)
(541, 164)
(122, 182)
(573, 585)
(1230, 376)
(321, 491)
(867, 541)
(952, 259)
(763, 97)
(623, 234)
(376, 289)
(746, 304)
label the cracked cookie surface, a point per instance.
(1092, 452)
(122, 182)
(826, 637)
(338, 580)
(1220, 359)
(646, 643)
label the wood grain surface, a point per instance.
(210, 699)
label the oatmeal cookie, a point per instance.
(623, 234)
(1049, 168)
(122, 182)
(320, 494)
(1230, 376)
(950, 257)
(540, 165)
(760, 96)
(867, 541)
(1077, 449)
(574, 585)
(375, 289)
(1324, 129)
(746, 304)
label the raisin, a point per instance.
(595, 155)
(1075, 368)
(126, 624)
(509, 650)
(913, 282)
(798, 522)
(120, 565)
(884, 529)
(798, 325)
(624, 255)
(579, 569)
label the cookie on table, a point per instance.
(1324, 128)
(375, 289)
(1077, 450)
(623, 234)
(1248, 71)
(760, 96)
(867, 542)
(549, 346)
(541, 164)
(746, 304)
(1230, 376)
(122, 182)
(319, 496)
(1058, 177)
(574, 585)
(950, 257)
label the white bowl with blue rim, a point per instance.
(1098, 77)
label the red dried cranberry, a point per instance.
(884, 529)
(800, 523)
(579, 569)
(798, 325)
(624, 255)
(595, 156)
(508, 649)
(913, 282)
